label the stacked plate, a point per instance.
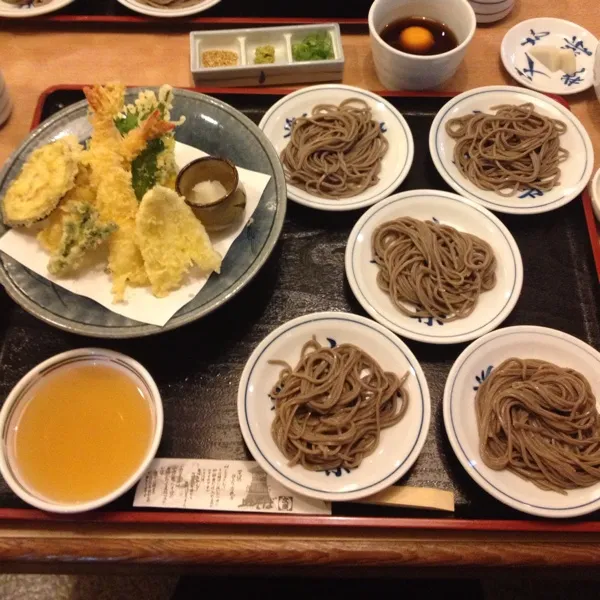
(5, 102)
(490, 11)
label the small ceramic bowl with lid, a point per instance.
(212, 188)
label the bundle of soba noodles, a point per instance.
(514, 149)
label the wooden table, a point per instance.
(33, 58)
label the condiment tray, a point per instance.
(245, 42)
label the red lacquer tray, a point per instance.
(475, 510)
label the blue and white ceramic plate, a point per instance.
(534, 33)
(470, 369)
(575, 171)
(399, 446)
(211, 125)
(462, 214)
(395, 164)
(30, 9)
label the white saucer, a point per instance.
(575, 171)
(595, 194)
(21, 12)
(471, 367)
(545, 31)
(168, 13)
(399, 446)
(493, 306)
(395, 164)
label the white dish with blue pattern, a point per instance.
(470, 369)
(575, 171)
(30, 9)
(530, 72)
(399, 446)
(462, 214)
(395, 165)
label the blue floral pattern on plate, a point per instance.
(570, 79)
(534, 37)
(483, 375)
(530, 71)
(577, 46)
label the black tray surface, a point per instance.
(306, 9)
(197, 368)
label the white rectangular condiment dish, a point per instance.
(285, 69)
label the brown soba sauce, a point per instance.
(419, 35)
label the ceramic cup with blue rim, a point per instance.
(5, 101)
(399, 70)
(471, 368)
(399, 446)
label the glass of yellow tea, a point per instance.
(79, 430)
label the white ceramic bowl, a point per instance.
(398, 70)
(575, 171)
(473, 365)
(9, 470)
(11, 11)
(595, 194)
(169, 13)
(399, 446)
(490, 11)
(448, 209)
(395, 165)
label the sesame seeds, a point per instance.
(219, 58)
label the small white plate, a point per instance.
(595, 194)
(395, 164)
(530, 72)
(471, 367)
(399, 446)
(462, 214)
(169, 13)
(21, 12)
(575, 171)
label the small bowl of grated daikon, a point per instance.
(211, 187)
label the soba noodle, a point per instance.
(512, 150)
(331, 407)
(337, 151)
(436, 269)
(539, 421)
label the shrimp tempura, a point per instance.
(109, 157)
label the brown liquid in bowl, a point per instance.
(444, 38)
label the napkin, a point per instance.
(140, 304)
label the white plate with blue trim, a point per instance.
(29, 9)
(535, 33)
(395, 165)
(470, 369)
(448, 209)
(399, 446)
(575, 171)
